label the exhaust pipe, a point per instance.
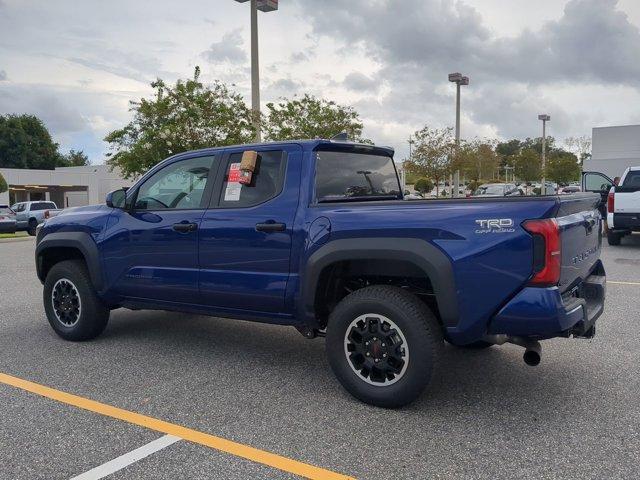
(532, 348)
(532, 354)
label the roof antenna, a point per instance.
(340, 137)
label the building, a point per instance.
(613, 150)
(66, 186)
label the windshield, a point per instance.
(5, 211)
(490, 190)
(348, 175)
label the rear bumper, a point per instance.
(546, 313)
(623, 221)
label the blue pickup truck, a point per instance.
(322, 240)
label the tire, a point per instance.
(72, 306)
(613, 238)
(395, 317)
(33, 226)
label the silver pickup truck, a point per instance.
(30, 214)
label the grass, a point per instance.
(13, 235)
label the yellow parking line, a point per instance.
(218, 443)
(623, 283)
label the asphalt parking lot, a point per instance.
(487, 415)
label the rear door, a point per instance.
(246, 234)
(627, 194)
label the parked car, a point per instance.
(30, 214)
(569, 189)
(497, 190)
(321, 239)
(7, 219)
(623, 206)
(413, 195)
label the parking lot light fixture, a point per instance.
(263, 6)
(545, 118)
(459, 80)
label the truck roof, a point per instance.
(306, 144)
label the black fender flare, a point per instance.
(79, 240)
(424, 255)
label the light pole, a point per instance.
(545, 118)
(459, 80)
(264, 6)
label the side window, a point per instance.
(37, 206)
(266, 181)
(177, 186)
(596, 182)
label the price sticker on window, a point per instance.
(234, 187)
(234, 173)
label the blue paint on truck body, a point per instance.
(226, 267)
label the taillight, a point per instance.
(547, 251)
(610, 201)
(46, 214)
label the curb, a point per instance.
(17, 239)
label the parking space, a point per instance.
(487, 414)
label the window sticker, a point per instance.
(234, 187)
(234, 173)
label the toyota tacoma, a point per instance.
(316, 235)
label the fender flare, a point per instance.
(424, 255)
(79, 240)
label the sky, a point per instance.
(76, 65)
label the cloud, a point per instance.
(59, 116)
(592, 41)
(3, 75)
(360, 82)
(229, 49)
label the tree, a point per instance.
(185, 116)
(75, 159)
(562, 167)
(535, 144)
(432, 155)
(3, 184)
(581, 146)
(311, 117)
(26, 143)
(528, 165)
(423, 185)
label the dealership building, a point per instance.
(66, 186)
(614, 149)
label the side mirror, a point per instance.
(117, 198)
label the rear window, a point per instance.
(354, 176)
(632, 180)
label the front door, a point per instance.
(151, 252)
(245, 236)
(598, 183)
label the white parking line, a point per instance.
(615, 282)
(127, 459)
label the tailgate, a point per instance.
(627, 200)
(580, 228)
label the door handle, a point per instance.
(185, 227)
(270, 227)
